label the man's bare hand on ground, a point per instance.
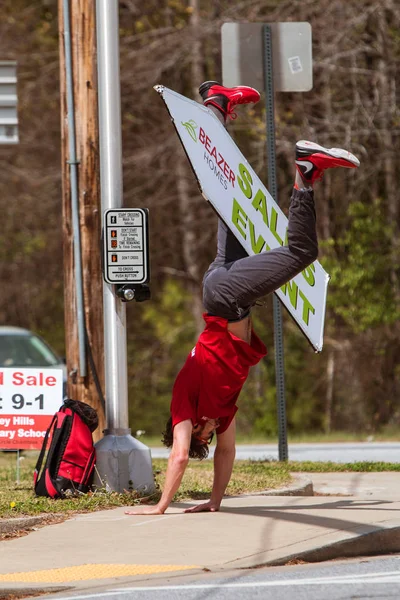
(154, 510)
(207, 507)
(145, 510)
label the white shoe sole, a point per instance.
(336, 152)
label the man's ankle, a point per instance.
(221, 116)
(300, 183)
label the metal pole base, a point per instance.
(123, 464)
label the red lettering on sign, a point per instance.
(212, 151)
(226, 169)
(1, 378)
(220, 161)
(31, 380)
(18, 379)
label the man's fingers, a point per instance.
(135, 512)
(142, 511)
(201, 508)
(195, 509)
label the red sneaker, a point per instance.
(225, 99)
(312, 160)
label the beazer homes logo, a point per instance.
(191, 127)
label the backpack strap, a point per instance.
(43, 450)
(53, 459)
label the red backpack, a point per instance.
(70, 461)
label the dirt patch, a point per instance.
(27, 593)
(18, 527)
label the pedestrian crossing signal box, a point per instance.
(126, 251)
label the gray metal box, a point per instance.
(243, 55)
(8, 103)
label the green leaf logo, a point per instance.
(190, 127)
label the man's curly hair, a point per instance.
(196, 450)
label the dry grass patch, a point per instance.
(247, 477)
(18, 500)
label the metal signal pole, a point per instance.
(122, 462)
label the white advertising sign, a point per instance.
(229, 183)
(28, 400)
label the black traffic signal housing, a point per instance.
(131, 291)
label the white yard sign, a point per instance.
(229, 183)
(28, 400)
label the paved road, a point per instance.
(348, 580)
(341, 453)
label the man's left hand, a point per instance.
(145, 510)
(207, 507)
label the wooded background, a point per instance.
(354, 384)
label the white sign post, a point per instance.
(229, 183)
(28, 400)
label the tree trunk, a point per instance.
(330, 376)
(189, 243)
(197, 71)
(387, 143)
(84, 67)
(187, 210)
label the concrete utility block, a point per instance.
(123, 464)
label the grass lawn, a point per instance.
(248, 476)
(19, 499)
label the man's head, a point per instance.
(202, 436)
(204, 431)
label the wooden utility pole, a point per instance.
(84, 66)
(189, 215)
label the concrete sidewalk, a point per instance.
(110, 547)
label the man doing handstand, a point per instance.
(207, 388)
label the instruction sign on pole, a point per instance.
(126, 252)
(28, 400)
(229, 183)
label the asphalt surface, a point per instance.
(223, 554)
(359, 579)
(358, 516)
(338, 452)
